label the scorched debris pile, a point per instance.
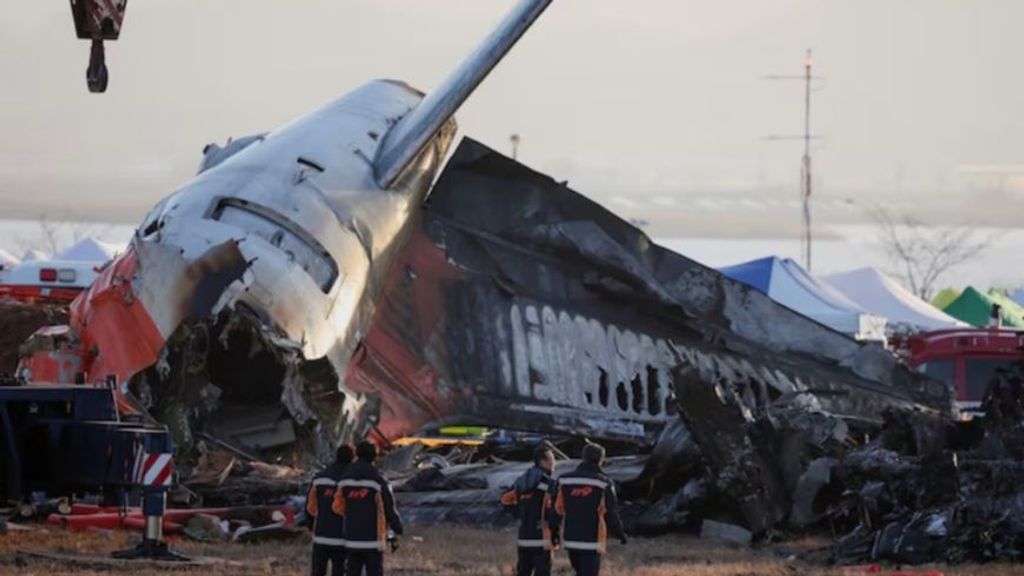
(926, 492)
(516, 302)
(920, 487)
(519, 301)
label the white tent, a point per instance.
(784, 281)
(34, 255)
(88, 250)
(7, 260)
(879, 294)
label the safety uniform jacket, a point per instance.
(328, 527)
(585, 510)
(364, 498)
(531, 495)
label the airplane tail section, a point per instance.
(411, 134)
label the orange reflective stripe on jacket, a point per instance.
(311, 501)
(545, 529)
(382, 522)
(510, 498)
(338, 506)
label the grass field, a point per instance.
(438, 551)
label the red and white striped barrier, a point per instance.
(153, 469)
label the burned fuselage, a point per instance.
(304, 287)
(518, 301)
(505, 299)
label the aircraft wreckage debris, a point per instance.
(918, 487)
(510, 298)
(912, 487)
(328, 281)
(515, 300)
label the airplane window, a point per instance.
(282, 234)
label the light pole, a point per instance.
(515, 145)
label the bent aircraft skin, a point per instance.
(302, 279)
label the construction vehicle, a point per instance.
(65, 440)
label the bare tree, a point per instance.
(922, 253)
(56, 235)
(49, 237)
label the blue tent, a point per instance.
(784, 281)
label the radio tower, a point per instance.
(805, 167)
(806, 178)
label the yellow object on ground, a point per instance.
(464, 431)
(434, 442)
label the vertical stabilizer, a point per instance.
(412, 133)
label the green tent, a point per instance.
(945, 298)
(975, 307)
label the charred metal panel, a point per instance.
(447, 346)
(522, 303)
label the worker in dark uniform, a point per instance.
(328, 527)
(364, 498)
(585, 511)
(531, 496)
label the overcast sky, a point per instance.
(656, 105)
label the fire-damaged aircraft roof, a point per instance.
(520, 302)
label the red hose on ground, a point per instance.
(139, 524)
(80, 509)
(184, 514)
(83, 521)
(85, 516)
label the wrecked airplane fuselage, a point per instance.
(508, 299)
(518, 301)
(303, 269)
(308, 233)
(311, 216)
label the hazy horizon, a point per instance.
(848, 247)
(658, 109)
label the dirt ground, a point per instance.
(437, 551)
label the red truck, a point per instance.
(966, 358)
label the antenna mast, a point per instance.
(806, 178)
(805, 172)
